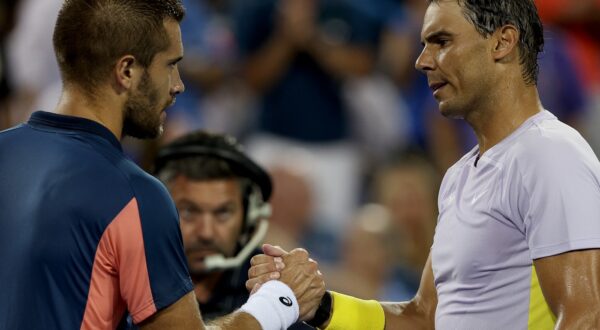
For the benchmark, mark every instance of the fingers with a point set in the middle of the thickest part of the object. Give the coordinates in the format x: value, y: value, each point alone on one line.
x: 311, y: 298
x: 303, y: 276
x: 273, y: 251
x: 263, y: 268
x: 276, y: 262
x: 296, y: 269
x: 252, y: 282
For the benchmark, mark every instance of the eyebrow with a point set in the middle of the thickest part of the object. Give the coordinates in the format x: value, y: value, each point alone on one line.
x: 432, y: 37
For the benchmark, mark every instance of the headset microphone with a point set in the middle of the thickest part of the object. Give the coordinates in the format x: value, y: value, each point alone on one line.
x: 258, y: 210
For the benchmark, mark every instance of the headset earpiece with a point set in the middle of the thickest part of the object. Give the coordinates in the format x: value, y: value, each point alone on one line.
x: 257, y: 208
x: 257, y: 187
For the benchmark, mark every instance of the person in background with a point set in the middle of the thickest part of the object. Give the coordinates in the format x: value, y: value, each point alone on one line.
x: 222, y: 198
x: 295, y: 55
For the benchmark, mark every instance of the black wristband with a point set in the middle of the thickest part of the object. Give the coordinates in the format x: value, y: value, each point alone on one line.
x: 323, y: 313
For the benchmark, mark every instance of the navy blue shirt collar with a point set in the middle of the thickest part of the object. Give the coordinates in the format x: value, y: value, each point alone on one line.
x: 53, y: 120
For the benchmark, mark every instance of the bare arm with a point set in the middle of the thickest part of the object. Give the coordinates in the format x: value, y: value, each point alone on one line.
x: 418, y: 313
x: 184, y: 315
x: 571, y: 286
x: 235, y: 321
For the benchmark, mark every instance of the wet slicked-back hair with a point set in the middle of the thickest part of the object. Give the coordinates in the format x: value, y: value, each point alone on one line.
x: 489, y: 15
x: 91, y: 35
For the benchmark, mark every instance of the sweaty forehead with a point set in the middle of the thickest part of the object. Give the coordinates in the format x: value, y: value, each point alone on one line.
x: 445, y: 16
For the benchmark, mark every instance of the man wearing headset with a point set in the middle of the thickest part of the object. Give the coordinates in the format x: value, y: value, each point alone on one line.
x: 222, y: 198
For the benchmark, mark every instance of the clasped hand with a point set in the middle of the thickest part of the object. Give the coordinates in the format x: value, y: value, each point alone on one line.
x: 295, y: 269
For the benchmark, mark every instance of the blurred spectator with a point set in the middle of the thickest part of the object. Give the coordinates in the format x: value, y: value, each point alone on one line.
x: 296, y: 54
x: 400, y: 48
x: 292, y: 207
x: 386, y: 247
x: 293, y: 222
x: 32, y: 65
x: 366, y: 268
x: 379, y: 117
x: 399, y: 51
x: 7, y: 22
x: 580, y: 21
x: 407, y: 186
x: 215, y: 97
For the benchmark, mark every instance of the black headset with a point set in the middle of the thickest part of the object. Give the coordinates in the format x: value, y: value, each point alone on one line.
x: 225, y: 147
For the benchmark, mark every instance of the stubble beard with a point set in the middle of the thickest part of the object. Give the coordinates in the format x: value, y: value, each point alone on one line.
x: 141, y: 118
x: 201, y: 272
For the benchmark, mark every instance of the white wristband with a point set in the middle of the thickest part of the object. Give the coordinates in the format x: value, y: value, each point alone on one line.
x: 274, y: 306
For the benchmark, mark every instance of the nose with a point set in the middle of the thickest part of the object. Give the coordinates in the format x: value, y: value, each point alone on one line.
x: 178, y: 86
x: 205, y: 228
x: 425, y: 61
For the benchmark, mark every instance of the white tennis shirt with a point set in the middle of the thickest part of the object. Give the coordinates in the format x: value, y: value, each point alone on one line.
x: 534, y: 194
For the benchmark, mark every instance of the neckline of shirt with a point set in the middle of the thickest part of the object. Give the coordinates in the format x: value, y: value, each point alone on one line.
x: 474, y: 153
x: 54, y: 120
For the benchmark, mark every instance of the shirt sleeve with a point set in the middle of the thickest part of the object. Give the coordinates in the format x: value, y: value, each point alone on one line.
x: 153, y: 271
x: 559, y: 196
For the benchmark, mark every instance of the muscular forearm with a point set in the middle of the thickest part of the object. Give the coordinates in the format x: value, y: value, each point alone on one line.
x: 406, y: 315
x: 582, y: 319
x: 235, y: 321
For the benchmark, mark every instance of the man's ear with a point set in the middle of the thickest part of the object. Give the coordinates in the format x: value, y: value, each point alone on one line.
x: 126, y: 72
x: 506, y: 41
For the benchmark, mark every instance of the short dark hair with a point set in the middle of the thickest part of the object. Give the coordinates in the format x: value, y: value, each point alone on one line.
x: 201, y: 167
x: 90, y: 35
x: 489, y: 15
x: 204, y: 167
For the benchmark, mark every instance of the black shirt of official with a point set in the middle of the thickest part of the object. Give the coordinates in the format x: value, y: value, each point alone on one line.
x: 229, y: 293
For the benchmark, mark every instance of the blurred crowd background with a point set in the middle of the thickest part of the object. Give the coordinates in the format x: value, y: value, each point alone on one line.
x: 324, y: 94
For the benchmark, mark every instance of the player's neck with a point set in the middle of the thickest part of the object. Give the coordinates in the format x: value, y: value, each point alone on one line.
x: 104, y: 110
x: 504, y: 116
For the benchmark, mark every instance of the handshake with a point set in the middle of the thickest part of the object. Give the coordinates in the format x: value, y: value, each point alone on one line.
x: 300, y: 273
x: 287, y: 286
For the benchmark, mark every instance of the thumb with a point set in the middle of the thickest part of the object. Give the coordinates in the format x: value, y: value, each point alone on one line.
x: 273, y: 251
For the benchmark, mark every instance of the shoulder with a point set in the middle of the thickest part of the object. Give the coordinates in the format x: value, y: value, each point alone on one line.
x: 550, y: 145
x: 153, y: 198
x: 550, y: 155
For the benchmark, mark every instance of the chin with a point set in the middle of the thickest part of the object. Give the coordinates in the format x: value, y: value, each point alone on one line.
x: 448, y: 111
x: 198, y: 270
